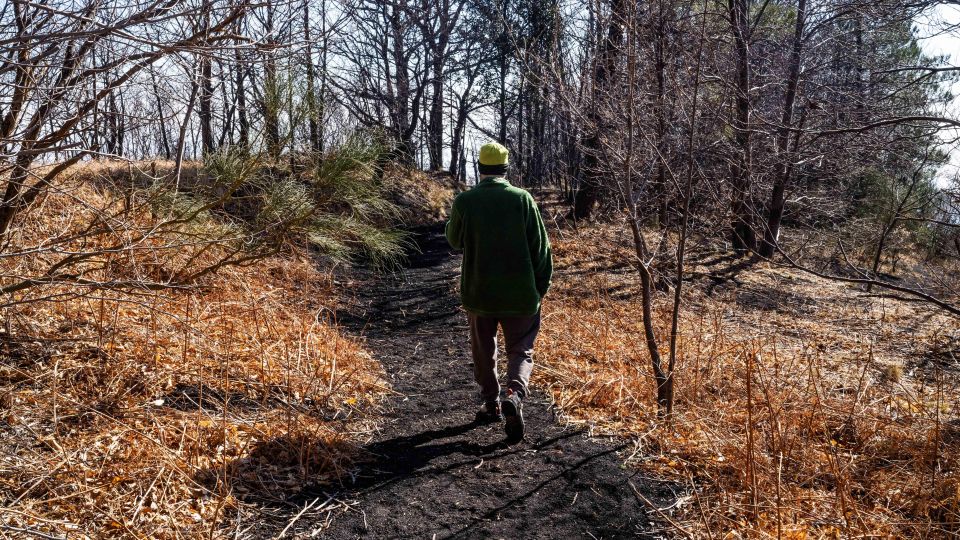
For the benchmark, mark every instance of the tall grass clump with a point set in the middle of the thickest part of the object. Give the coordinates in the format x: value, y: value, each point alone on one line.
x: 335, y: 204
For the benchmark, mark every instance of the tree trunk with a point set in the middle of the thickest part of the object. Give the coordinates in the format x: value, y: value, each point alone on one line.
x: 311, y: 97
x: 182, y: 138
x: 206, y: 107
x: 435, y: 125
x: 405, y: 124
x: 743, y: 236
x: 460, y: 126
x: 15, y: 184
x: 206, y: 93
x: 322, y: 98
x: 165, y: 141
x: 660, y: 65
x: 243, y: 121
x: 589, y: 192
x: 271, y: 92
x: 271, y: 106
x: 115, y: 123
x: 785, y: 158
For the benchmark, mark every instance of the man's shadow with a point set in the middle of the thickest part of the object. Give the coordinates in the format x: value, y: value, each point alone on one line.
x: 410, y: 456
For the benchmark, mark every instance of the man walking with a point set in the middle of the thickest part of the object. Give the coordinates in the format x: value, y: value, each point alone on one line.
x: 506, y: 271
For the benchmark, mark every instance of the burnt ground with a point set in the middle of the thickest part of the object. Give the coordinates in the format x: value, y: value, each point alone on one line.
x: 432, y: 472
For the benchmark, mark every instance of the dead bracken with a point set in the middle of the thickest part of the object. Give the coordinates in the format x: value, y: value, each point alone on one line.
x: 168, y: 413
x: 805, y: 416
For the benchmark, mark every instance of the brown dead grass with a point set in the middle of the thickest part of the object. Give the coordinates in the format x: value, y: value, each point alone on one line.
x: 168, y: 413
x: 424, y: 197
x: 804, y: 407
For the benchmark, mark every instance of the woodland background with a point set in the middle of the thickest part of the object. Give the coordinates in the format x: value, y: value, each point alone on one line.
x: 756, y: 226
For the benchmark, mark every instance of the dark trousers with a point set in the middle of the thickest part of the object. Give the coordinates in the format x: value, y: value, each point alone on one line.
x: 519, y: 333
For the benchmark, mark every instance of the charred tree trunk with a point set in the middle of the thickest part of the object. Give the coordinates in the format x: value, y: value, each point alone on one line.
x: 660, y: 67
x: 312, y: 109
x: 116, y: 125
x: 243, y: 121
x: 164, y: 139
x: 785, y: 159
x: 271, y: 102
x: 206, y: 106
x: 589, y: 192
x: 206, y: 93
x: 743, y: 237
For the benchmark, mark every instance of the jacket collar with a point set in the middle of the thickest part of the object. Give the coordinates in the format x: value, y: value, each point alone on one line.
x: 492, y: 180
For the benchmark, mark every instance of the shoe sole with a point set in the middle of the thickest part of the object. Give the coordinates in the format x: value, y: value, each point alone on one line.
x: 514, y: 421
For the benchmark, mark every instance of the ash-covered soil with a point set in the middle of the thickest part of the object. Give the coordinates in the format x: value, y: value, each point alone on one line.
x: 431, y: 472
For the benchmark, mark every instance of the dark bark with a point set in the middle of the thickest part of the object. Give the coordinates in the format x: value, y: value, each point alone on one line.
x: 115, y: 122
x: 457, y: 151
x: 206, y: 93
x: 322, y: 92
x: 270, y: 103
x: 503, y: 61
x: 206, y: 106
x: 164, y: 139
x: 440, y: 42
x: 405, y: 107
x: 243, y: 121
x: 660, y: 66
x: 785, y: 158
x: 663, y: 379
x: 182, y: 137
x: 588, y: 193
x: 743, y: 236
x: 312, y: 108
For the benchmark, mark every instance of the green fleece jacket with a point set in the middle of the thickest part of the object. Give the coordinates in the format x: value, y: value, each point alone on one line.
x: 507, y: 262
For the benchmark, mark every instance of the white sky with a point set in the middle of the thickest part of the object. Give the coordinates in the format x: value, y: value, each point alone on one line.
x: 936, y: 39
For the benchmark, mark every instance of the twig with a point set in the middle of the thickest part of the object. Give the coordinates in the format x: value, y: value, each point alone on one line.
x: 658, y: 511
x: 31, y: 531
x: 299, y: 515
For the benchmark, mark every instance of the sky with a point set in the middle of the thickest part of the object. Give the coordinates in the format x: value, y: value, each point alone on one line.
x: 934, y: 40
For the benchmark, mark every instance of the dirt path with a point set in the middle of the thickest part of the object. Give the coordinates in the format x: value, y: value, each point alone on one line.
x: 434, y: 473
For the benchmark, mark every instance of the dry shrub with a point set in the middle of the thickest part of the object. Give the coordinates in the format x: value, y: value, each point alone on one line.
x: 162, y: 413
x: 425, y: 197
x: 788, y: 423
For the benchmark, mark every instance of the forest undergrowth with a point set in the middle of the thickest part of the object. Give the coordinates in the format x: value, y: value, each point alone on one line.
x: 171, y: 412
x: 805, y: 408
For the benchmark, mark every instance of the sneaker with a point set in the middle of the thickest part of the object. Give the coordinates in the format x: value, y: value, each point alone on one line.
x: 513, y: 414
x: 489, y: 412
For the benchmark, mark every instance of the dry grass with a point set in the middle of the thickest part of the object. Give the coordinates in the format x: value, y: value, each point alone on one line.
x: 424, y: 196
x: 168, y: 413
x: 806, y: 409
